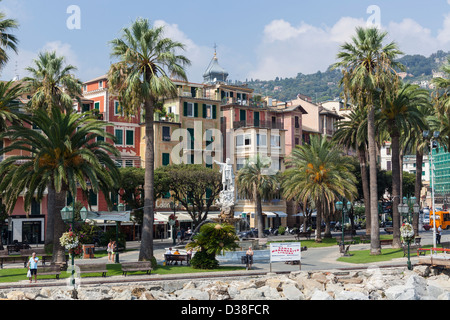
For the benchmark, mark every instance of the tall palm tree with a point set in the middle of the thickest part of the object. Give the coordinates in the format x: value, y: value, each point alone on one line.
x: 147, y: 60
x: 9, y: 103
x: 255, y: 181
x: 318, y: 172
x: 8, y: 41
x: 368, y: 66
x: 352, y: 134
x: 52, y: 83
x: 63, y: 153
x: 400, y: 114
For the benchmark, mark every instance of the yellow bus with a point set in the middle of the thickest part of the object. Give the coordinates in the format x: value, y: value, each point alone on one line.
x: 442, y: 219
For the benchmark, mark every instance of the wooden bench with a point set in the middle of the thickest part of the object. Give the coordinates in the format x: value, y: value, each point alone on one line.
x: 136, y: 266
x: 347, y: 239
x: 384, y: 242
x: 92, y: 268
x: 306, y: 234
x: 344, y: 250
x: 422, y: 251
x: 170, y: 258
x: 50, y: 270
x: 13, y: 258
x: 413, y: 248
x: 40, y: 252
x: 364, y: 238
x: 389, y: 230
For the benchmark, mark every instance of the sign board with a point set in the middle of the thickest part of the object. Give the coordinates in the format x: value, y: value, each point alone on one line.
x: 112, y: 216
x: 285, y: 251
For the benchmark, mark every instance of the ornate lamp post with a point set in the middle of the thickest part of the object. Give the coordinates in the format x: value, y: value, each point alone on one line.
x: 406, y: 230
x: 68, y: 215
x: 340, y: 207
x: 172, y: 223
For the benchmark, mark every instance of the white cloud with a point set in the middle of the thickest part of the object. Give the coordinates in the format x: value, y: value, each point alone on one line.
x: 197, y: 54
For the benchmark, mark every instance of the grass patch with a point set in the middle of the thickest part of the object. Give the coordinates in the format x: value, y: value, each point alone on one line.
x: 326, y: 242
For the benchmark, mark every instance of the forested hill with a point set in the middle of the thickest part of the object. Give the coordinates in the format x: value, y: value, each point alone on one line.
x: 323, y: 86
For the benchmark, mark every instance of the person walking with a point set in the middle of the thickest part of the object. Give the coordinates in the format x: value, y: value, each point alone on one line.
x: 32, y: 267
x: 249, y: 255
x: 438, y: 235
x: 113, y: 251
x: 109, y: 250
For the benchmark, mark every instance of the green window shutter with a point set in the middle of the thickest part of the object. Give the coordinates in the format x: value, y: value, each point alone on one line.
x: 165, y: 159
x: 196, y: 110
x: 191, y: 132
x: 204, y: 111
x: 129, y: 137
x: 185, y: 109
x: 214, y: 112
x: 119, y: 137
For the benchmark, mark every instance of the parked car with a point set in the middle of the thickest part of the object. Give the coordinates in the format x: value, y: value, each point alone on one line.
x: 248, y: 234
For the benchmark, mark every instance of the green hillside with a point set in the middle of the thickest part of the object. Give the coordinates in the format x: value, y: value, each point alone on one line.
x: 322, y: 86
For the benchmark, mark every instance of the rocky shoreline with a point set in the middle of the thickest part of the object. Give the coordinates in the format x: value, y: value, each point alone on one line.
x: 422, y: 283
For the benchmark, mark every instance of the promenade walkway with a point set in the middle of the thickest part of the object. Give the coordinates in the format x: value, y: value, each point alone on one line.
x: 313, y: 259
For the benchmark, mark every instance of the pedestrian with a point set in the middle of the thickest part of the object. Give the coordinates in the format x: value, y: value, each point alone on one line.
x: 438, y: 235
x: 109, y: 250
x: 179, y: 236
x: 32, y: 267
x: 113, y: 250
x: 249, y: 255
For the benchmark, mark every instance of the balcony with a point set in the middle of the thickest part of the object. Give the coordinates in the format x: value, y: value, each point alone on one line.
x: 258, y: 124
x: 173, y: 118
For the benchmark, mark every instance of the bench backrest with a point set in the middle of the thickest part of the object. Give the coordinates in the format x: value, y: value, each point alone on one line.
x: 137, y: 264
x: 96, y: 266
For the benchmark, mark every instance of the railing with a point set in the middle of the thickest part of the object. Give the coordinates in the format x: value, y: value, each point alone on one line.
x: 258, y: 124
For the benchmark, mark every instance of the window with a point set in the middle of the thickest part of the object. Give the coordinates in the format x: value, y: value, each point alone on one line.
x: 117, y: 109
x: 247, y: 140
x: 129, y: 163
x: 239, y: 140
x: 165, y: 133
x: 240, y: 162
x: 191, y: 136
x: 84, y: 87
x: 119, y: 163
x: 35, y: 207
x: 190, y: 109
x: 129, y: 137
x: 207, y: 111
x: 275, y: 141
x: 92, y: 198
x: 165, y: 159
x: 119, y: 136
x: 297, y: 123
x: 100, y: 84
x: 85, y: 107
x: 261, y: 140
x: 97, y: 105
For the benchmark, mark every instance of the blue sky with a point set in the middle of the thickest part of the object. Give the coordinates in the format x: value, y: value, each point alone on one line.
x: 257, y: 39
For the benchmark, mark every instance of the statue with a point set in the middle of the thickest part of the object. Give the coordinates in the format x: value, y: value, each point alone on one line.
x: 227, y: 175
x: 226, y: 196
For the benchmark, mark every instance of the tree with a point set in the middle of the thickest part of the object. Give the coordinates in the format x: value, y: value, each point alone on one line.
x: 51, y: 83
x: 8, y: 41
x: 63, y: 153
x: 256, y: 182
x: 9, y: 94
x: 400, y: 114
x: 367, y: 67
x: 213, y: 239
x: 141, y: 78
x: 318, y: 172
x: 352, y: 134
x: 195, y: 187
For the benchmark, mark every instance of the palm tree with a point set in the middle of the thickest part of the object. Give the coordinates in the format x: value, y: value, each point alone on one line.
x: 9, y: 104
x: 318, y: 172
x: 141, y: 78
x: 52, y: 83
x: 7, y: 40
x: 63, y: 153
x: 400, y: 114
x: 352, y: 134
x: 256, y: 182
x: 368, y: 66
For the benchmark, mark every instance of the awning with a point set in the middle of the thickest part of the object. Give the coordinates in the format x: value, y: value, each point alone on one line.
x: 269, y: 214
x: 300, y: 214
x: 281, y: 214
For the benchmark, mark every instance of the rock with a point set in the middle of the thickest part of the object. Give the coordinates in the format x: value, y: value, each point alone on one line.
x: 270, y: 293
x: 192, y: 294
x: 249, y: 294
x: 351, y: 295
x: 16, y: 295
x: 320, y: 295
x: 291, y: 292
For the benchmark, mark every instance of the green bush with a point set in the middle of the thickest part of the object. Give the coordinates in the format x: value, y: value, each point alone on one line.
x: 281, y: 230
x: 204, y: 260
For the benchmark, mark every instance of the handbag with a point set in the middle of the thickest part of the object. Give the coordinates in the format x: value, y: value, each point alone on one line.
x: 29, y: 274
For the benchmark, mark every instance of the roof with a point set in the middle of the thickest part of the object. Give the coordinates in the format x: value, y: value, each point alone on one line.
x: 215, y: 71
x: 103, y: 77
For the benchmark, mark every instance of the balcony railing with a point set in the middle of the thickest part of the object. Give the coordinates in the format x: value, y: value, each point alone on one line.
x: 258, y: 124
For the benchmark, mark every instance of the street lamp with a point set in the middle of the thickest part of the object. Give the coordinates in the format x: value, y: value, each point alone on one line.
x: 173, y: 223
x: 68, y: 215
x: 435, y: 136
x: 340, y: 207
x: 405, y: 212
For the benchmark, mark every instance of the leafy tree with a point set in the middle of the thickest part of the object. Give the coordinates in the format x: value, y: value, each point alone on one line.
x: 147, y: 60
x: 194, y: 186
x: 8, y: 41
x: 64, y: 154
x: 255, y: 181
x: 318, y: 172
x: 368, y: 66
x: 213, y: 239
x: 9, y: 94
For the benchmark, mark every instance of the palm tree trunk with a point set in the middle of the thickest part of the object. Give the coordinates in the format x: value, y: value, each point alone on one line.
x: 395, y: 190
x: 375, y: 246
x: 49, y: 228
x: 365, y: 187
x: 146, y: 249
x: 418, y: 187
x: 259, y: 214
x: 59, y: 251
x: 318, y: 221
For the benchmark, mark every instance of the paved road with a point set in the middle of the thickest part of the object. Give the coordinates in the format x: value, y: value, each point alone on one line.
x: 312, y: 259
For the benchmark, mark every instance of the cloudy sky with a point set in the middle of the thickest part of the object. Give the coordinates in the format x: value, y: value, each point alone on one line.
x: 259, y: 39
